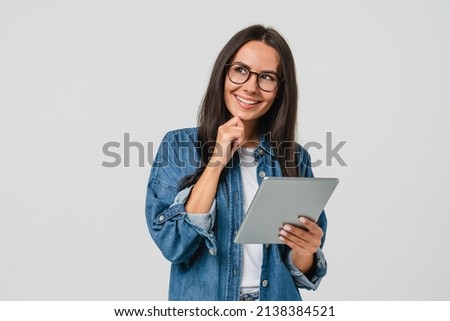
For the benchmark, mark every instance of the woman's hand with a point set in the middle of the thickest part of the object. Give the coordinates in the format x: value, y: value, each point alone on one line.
x: 229, y: 137
x: 304, y: 242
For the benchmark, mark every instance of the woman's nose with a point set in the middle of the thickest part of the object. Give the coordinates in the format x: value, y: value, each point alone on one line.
x: 251, y: 85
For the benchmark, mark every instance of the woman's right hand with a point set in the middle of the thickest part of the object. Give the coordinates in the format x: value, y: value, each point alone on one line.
x: 229, y: 137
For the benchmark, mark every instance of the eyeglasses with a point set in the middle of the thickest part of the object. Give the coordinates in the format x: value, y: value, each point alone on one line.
x: 267, y: 81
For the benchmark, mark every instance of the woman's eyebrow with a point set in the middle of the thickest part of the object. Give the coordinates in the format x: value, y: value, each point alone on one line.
x: 248, y: 67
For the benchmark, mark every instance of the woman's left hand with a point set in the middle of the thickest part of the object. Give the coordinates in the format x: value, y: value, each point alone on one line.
x: 304, y: 242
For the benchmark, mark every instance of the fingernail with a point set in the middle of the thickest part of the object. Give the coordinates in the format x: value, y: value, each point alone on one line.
x: 302, y: 219
x: 287, y: 227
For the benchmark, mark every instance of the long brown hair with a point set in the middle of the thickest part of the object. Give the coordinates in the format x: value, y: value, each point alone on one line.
x: 280, y: 121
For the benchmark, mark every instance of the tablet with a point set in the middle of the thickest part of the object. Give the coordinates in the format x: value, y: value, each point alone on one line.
x: 281, y: 200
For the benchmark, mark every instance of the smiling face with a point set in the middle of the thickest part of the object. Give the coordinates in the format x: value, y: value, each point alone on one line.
x: 247, y: 100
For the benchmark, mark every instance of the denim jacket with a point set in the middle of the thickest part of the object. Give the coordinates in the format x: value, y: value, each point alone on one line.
x: 206, y: 263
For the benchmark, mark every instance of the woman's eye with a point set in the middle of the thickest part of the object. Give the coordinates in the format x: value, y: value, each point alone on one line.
x: 267, y: 77
x: 241, y: 70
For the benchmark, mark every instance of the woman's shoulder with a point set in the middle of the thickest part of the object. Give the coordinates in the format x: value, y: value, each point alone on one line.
x: 186, y: 134
x: 183, y: 131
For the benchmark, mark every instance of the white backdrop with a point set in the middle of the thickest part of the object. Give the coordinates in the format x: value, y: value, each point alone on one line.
x: 75, y: 75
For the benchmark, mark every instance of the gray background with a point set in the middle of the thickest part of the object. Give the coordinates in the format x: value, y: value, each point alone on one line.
x: 75, y: 75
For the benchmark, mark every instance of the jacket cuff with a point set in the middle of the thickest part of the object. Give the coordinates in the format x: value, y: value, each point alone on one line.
x: 320, y: 270
x: 203, y: 223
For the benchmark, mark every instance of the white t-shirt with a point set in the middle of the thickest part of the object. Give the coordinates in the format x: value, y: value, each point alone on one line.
x: 252, y: 253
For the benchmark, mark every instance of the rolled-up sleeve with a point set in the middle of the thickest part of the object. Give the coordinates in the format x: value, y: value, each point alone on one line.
x: 204, y: 221
x: 300, y: 279
x: 172, y: 229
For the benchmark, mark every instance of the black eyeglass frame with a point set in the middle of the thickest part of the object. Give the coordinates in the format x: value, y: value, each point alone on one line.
x: 250, y: 73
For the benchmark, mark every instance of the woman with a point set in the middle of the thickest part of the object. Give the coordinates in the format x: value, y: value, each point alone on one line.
x: 203, y: 180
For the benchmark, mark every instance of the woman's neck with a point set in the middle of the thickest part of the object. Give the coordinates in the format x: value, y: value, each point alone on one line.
x: 251, y: 134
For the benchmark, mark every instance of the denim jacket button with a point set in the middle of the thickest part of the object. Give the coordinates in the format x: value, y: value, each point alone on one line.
x: 265, y: 283
x: 262, y: 174
x: 260, y: 151
x: 212, y: 251
x: 161, y: 218
x: 266, y: 246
